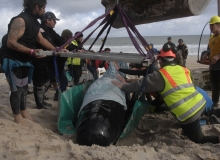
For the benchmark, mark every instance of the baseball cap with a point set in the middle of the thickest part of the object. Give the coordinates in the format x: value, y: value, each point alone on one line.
x: 50, y: 15
x: 169, y: 38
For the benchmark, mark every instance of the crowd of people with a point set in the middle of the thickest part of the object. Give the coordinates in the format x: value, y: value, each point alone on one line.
x: 22, y: 65
x: 181, y: 51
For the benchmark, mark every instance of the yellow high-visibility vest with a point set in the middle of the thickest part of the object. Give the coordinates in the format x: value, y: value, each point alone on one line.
x: 179, y: 93
x: 74, y: 61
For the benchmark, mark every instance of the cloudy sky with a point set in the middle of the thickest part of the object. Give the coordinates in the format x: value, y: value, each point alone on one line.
x: 76, y: 15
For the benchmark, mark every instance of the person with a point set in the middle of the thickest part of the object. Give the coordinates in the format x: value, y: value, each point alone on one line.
x: 94, y: 65
x: 151, y: 46
x: 182, y: 48
x: 48, y: 22
x: 66, y: 34
x: 18, y: 50
x: 4, y: 40
x: 214, y: 56
x: 100, y: 64
x: 175, y: 86
x: 41, y: 79
x: 75, y: 64
x: 169, y: 41
x: 178, y: 59
x: 141, y: 72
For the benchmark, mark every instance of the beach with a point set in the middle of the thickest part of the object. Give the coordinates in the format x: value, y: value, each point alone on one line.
x: 158, y: 137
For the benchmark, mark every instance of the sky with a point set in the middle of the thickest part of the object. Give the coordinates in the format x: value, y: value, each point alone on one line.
x: 77, y: 14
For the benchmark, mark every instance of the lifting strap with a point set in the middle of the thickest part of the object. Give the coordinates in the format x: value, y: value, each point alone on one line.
x: 56, y: 70
x: 128, y: 24
x: 74, y: 37
x: 108, y: 20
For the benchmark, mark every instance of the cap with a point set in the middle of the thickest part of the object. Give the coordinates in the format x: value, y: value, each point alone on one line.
x: 169, y: 38
x: 50, y: 15
x: 66, y: 33
x: 180, y: 40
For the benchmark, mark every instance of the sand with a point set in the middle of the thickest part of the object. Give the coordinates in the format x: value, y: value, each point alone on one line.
x: 158, y: 136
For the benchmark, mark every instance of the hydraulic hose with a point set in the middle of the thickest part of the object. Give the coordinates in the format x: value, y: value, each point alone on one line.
x: 201, y: 39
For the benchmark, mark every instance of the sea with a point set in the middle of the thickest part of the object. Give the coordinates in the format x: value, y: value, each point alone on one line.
x: 195, y: 43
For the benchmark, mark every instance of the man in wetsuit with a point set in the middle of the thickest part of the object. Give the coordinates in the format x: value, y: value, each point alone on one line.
x: 18, y: 50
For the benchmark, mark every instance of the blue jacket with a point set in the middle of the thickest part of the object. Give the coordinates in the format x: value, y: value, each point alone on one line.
x: 9, y: 64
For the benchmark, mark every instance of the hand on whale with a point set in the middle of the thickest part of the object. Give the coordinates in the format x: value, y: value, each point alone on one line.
x: 119, y: 83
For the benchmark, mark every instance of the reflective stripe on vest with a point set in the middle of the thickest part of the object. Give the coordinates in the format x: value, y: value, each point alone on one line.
x: 179, y: 92
x: 74, y: 42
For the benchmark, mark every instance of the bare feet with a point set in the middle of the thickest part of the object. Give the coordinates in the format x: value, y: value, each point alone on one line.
x: 20, y: 120
x: 26, y: 115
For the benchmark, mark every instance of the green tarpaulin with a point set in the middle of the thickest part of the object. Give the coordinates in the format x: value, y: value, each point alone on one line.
x: 69, y: 105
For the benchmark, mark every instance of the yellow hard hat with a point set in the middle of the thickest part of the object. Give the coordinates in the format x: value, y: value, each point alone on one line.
x: 214, y: 19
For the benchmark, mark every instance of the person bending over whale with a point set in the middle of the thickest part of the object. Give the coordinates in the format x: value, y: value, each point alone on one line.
x: 180, y: 95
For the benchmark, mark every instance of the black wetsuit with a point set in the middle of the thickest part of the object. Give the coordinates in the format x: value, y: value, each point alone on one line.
x: 28, y: 39
x: 41, y: 76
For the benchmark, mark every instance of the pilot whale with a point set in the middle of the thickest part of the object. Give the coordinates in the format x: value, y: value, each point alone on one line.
x: 102, y: 114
